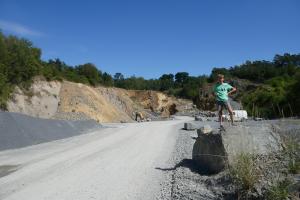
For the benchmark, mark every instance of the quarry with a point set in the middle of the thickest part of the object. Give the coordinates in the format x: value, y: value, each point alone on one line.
x: 65, y: 140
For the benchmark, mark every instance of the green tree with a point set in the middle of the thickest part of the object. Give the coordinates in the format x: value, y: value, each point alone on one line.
x: 166, y: 81
x: 118, y: 76
x: 91, y: 72
x: 181, y: 78
x: 107, y: 79
x: 216, y: 71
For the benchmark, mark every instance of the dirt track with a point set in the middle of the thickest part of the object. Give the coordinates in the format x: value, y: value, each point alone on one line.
x: 115, y: 163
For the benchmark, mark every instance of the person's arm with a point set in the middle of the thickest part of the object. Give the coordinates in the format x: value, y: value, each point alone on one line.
x: 233, y: 89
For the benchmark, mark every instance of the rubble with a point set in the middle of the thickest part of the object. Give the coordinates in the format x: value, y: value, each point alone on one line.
x: 198, y: 118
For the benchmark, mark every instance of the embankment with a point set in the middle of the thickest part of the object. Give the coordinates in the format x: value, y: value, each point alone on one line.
x: 18, y: 130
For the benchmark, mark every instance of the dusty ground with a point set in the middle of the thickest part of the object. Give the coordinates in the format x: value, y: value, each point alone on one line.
x: 150, y: 160
x: 120, y: 162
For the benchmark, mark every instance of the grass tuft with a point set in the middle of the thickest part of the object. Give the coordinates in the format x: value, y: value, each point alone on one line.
x: 291, y: 152
x: 245, y: 172
x: 279, y: 191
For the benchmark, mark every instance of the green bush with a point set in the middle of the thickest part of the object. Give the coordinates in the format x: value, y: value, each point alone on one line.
x: 270, y: 100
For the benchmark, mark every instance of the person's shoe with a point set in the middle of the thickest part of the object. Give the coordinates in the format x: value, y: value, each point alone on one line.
x: 222, y: 128
x: 233, y: 124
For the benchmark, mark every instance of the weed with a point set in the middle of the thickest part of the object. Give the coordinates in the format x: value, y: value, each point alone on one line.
x: 291, y: 153
x: 245, y: 172
x: 279, y: 190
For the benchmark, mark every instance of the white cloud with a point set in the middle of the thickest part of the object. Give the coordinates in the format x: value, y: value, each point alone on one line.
x: 18, y: 29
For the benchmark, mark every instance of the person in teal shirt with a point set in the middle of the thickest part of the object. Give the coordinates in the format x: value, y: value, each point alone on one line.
x: 221, y: 91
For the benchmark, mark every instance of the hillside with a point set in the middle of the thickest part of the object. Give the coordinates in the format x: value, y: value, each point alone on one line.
x: 266, y: 89
x: 77, y: 101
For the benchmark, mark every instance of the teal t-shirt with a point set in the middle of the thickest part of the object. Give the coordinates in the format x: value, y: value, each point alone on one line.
x: 221, y: 90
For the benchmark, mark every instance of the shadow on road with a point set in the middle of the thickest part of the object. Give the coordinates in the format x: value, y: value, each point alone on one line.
x: 7, y: 169
x: 187, y: 163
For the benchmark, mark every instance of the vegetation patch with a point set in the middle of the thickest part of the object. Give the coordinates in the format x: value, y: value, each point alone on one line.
x: 245, y: 173
x: 268, y: 176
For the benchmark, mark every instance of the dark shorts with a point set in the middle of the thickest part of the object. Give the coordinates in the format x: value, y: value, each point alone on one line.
x: 222, y: 104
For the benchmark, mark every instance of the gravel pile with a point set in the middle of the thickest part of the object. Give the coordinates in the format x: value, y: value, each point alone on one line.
x: 18, y: 130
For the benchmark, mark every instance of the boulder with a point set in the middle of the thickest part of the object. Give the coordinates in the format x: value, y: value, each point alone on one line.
x: 206, y: 129
x: 208, y: 152
x: 254, y: 138
x: 188, y: 126
x: 214, y: 149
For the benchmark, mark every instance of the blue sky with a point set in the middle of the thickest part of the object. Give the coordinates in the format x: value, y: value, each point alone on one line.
x: 151, y: 37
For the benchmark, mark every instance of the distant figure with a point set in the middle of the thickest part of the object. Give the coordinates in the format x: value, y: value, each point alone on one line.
x: 221, y: 91
x: 139, y: 115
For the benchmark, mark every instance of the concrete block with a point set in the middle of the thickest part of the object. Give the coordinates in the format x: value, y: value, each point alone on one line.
x: 188, y: 126
x: 214, y: 149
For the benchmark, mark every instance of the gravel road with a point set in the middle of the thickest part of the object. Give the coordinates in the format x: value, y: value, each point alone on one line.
x: 120, y: 162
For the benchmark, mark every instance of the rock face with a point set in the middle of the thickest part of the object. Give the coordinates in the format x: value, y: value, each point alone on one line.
x: 80, y: 98
x: 41, y: 100
x: 214, y: 149
x: 76, y: 101
x: 208, y: 151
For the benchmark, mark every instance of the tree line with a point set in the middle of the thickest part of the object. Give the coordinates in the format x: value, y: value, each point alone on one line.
x: 277, y: 92
x: 276, y: 95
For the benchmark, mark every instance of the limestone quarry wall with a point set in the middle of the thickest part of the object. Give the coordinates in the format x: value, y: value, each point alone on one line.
x: 76, y: 101
x: 41, y: 100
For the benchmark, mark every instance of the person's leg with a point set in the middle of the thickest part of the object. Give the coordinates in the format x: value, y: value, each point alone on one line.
x: 228, y: 106
x: 220, y: 111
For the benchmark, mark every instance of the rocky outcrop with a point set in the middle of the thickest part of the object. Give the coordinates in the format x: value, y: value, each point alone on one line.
x: 214, y: 149
x: 76, y: 101
x: 40, y: 100
x: 80, y: 98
